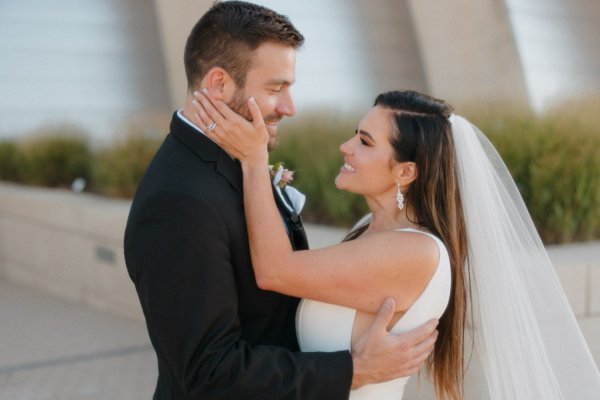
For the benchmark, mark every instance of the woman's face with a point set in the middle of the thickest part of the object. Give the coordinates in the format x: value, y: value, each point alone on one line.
x: 368, y: 156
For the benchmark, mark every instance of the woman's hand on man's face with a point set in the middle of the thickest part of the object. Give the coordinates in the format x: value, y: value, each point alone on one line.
x: 244, y: 140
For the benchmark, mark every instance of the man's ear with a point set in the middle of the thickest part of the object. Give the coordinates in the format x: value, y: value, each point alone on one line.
x: 405, y: 173
x: 219, y: 83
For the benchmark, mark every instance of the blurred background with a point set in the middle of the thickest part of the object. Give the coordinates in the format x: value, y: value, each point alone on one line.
x: 101, y: 63
x: 87, y: 90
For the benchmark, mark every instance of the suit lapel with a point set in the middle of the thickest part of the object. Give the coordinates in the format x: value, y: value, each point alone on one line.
x: 231, y: 170
x: 293, y: 222
x: 208, y: 151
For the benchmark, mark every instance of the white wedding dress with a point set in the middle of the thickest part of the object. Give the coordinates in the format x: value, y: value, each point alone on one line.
x: 327, y: 327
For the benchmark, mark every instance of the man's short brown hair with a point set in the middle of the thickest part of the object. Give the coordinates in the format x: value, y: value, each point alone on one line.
x: 227, y: 35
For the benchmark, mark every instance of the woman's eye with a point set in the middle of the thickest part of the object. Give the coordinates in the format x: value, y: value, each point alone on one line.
x: 362, y: 141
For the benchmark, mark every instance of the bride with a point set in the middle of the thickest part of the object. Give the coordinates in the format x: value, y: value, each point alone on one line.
x: 447, y: 237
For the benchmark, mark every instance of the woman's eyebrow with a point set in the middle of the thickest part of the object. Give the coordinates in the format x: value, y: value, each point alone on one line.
x: 363, y: 132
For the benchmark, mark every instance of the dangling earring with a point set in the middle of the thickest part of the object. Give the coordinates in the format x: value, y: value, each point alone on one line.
x: 399, y: 197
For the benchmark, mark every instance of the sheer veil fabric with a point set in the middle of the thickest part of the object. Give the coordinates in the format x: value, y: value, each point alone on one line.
x: 525, y: 334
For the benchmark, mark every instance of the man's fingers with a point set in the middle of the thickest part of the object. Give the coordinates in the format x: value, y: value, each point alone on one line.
x: 420, y: 360
x: 384, y: 315
x: 423, y: 348
x: 420, y: 354
x: 421, y: 333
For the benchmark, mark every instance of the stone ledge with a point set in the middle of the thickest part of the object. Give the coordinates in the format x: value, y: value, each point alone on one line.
x: 68, y: 244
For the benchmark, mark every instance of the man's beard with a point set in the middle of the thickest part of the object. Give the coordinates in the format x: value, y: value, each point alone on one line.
x: 239, y: 104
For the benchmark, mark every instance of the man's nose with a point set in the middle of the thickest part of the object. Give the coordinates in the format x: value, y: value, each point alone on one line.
x: 286, y: 105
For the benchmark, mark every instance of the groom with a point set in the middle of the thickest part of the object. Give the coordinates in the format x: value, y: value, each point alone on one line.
x: 215, y: 333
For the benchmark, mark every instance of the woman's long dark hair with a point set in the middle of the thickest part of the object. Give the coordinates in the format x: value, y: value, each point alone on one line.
x: 422, y: 134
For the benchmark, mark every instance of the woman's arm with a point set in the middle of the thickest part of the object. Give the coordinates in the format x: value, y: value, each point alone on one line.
x: 358, y: 274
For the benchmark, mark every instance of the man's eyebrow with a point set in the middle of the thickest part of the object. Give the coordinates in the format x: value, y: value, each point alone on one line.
x: 278, y: 82
x: 367, y: 134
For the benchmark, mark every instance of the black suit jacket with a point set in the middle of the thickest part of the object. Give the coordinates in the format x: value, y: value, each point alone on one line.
x: 215, y: 333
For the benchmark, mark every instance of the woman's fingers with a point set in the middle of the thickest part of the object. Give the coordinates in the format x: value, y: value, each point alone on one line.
x: 241, y: 138
x: 210, y: 109
x: 257, y: 118
x: 222, y: 108
x: 200, y: 117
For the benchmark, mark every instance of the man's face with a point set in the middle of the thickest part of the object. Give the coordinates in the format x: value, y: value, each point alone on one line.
x: 272, y: 73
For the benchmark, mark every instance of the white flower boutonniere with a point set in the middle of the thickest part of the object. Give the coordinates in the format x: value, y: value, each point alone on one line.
x: 280, y: 175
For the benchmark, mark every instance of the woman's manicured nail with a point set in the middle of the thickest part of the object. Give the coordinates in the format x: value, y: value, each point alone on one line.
x: 196, y: 93
x: 205, y: 90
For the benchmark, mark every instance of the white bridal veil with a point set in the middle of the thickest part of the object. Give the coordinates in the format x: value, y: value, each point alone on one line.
x: 526, y: 336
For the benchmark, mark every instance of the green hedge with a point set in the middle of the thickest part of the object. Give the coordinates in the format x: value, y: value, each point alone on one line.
x: 118, y: 170
x: 555, y: 160
x: 11, y: 162
x: 56, y: 157
x: 53, y: 159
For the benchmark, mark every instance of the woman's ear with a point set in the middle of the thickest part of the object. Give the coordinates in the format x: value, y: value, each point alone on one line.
x: 219, y: 84
x: 405, y: 172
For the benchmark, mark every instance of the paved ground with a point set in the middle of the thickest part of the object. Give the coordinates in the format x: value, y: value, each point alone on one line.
x: 51, y: 349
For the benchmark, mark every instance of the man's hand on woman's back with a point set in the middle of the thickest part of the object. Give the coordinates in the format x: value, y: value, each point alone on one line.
x: 379, y: 356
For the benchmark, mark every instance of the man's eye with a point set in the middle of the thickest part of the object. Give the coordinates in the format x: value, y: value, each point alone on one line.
x: 363, y: 141
x: 275, y: 90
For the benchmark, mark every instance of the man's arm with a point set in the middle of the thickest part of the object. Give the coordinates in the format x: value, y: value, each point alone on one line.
x: 178, y: 253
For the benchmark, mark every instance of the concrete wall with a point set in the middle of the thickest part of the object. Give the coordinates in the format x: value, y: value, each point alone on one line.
x: 559, y: 47
x: 468, y: 50
x: 71, y: 246
x: 391, y: 49
x: 90, y: 63
x: 175, y: 21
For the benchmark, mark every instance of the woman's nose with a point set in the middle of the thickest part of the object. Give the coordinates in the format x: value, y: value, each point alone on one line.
x: 346, y: 147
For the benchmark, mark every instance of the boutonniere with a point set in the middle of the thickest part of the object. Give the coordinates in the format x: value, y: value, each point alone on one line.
x: 280, y: 175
